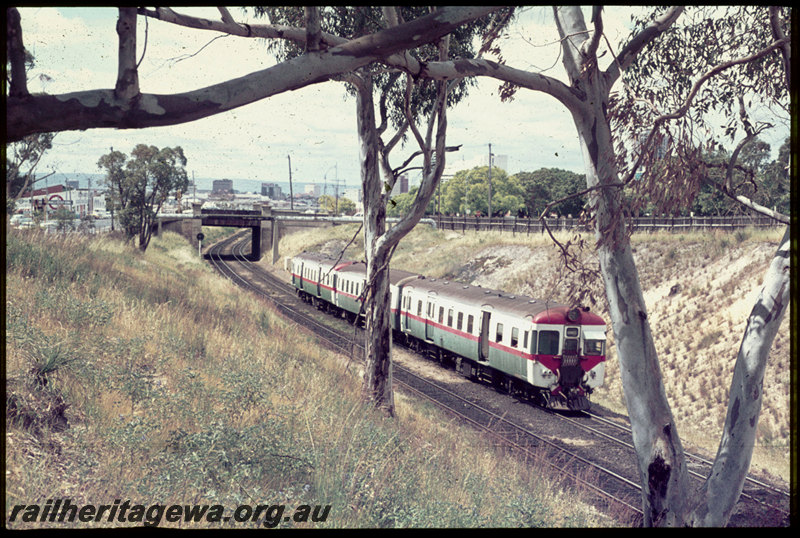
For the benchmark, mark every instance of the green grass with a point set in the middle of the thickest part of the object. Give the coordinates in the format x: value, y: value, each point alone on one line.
x: 147, y: 377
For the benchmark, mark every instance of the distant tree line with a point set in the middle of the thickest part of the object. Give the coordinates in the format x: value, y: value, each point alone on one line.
x: 527, y: 194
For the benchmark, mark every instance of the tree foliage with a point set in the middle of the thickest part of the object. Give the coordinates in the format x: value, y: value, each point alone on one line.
x: 22, y: 159
x: 467, y: 193
x: 548, y: 185
x: 138, y: 186
x: 764, y: 181
x: 355, y: 22
x: 401, y: 204
x: 336, y: 206
x: 720, y: 65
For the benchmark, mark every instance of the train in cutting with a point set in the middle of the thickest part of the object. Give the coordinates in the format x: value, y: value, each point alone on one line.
x: 552, y: 354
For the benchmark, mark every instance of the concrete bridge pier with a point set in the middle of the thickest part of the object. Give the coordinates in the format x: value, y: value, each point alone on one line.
x: 196, y: 224
x: 275, y: 240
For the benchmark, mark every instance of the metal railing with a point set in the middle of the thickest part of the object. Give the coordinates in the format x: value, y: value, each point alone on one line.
x: 639, y: 224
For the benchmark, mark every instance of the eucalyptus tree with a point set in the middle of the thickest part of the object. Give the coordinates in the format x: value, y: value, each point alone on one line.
x: 597, y: 111
x: 22, y: 159
x: 404, y: 105
x: 23, y: 155
x: 139, y: 186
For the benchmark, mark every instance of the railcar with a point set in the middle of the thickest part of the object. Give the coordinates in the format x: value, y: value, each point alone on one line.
x: 551, y: 353
x: 338, y: 286
x: 314, y: 277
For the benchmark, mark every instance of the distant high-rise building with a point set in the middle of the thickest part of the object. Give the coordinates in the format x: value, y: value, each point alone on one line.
x: 401, y: 185
x: 313, y: 189
x: 222, y: 186
x: 498, y: 161
x: 272, y: 190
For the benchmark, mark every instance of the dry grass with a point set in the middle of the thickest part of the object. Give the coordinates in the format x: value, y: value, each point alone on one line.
x: 699, y: 289
x: 148, y: 377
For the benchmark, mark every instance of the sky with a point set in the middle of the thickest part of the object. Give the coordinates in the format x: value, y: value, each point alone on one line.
x: 314, y: 127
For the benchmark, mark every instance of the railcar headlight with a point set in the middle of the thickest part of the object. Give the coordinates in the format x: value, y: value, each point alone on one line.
x: 574, y: 315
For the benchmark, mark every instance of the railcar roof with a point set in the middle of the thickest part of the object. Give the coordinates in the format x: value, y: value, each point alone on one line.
x: 317, y: 257
x: 395, y: 275
x: 508, y: 303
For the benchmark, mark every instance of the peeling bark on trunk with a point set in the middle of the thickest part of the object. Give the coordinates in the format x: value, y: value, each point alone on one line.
x: 378, y: 373
x: 660, y: 455
x: 720, y: 492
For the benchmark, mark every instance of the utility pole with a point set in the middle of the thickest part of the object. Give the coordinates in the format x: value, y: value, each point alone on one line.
x: 336, y: 206
x: 291, y: 190
x: 490, y: 185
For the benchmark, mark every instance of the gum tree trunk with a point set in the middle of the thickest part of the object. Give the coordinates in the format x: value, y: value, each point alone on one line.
x: 661, y: 460
x: 720, y: 492
x: 378, y: 373
x: 662, y: 466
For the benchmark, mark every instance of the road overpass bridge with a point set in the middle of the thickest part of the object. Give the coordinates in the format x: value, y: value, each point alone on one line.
x: 267, y: 225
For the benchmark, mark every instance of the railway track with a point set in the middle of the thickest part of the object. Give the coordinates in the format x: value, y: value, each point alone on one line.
x: 612, y: 479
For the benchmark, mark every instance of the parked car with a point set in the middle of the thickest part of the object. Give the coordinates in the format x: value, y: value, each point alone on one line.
x: 22, y: 221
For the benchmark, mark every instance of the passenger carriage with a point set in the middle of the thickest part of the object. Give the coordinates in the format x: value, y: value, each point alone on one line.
x: 542, y: 350
x: 314, y: 277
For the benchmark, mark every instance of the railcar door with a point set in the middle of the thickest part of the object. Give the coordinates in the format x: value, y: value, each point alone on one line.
x: 431, y: 309
x: 406, y: 302
x: 302, y: 275
x: 571, y: 371
x: 483, y: 345
x: 319, y: 281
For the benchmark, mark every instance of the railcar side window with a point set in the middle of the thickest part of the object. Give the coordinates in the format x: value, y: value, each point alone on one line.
x: 460, y: 320
x: 525, y: 340
x: 548, y: 342
x: 534, y: 335
x: 470, y: 320
x: 450, y: 317
x: 593, y: 347
x: 419, y: 309
x: 514, y: 336
x: 499, y: 333
x: 441, y: 314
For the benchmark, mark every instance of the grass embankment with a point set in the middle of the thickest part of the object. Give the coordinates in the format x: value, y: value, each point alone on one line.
x: 699, y: 289
x: 149, y: 378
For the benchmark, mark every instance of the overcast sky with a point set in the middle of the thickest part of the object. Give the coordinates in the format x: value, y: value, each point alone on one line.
x: 76, y: 48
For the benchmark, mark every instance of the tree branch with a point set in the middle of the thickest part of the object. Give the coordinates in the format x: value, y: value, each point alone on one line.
x: 786, y: 49
x: 747, y: 202
x: 632, y: 49
x: 100, y: 108
x: 127, y: 87
x: 590, y: 47
x: 684, y: 108
x: 18, y: 86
